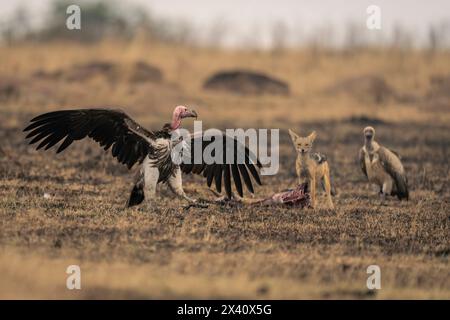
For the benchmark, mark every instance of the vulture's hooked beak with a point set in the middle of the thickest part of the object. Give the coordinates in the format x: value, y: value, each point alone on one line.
x: 369, y: 132
x: 189, y: 114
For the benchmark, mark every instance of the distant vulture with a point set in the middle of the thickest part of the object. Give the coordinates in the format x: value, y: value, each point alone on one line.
x: 131, y: 144
x: 383, y: 167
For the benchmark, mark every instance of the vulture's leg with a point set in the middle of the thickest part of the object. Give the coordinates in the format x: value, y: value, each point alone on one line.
x: 176, y: 185
x: 151, y: 176
x: 218, y: 196
x: 386, y: 189
x: 223, y: 198
x: 137, y: 193
x: 383, y: 198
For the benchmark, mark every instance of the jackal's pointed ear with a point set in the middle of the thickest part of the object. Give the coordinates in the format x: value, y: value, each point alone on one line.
x: 312, y: 136
x: 293, y: 135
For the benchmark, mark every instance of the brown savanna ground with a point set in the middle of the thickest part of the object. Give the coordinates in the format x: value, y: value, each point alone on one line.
x: 165, y: 252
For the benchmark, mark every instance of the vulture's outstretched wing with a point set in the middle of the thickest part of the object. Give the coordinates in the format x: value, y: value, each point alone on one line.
x: 362, y: 161
x: 230, y: 148
x: 130, y: 142
x: 393, y: 166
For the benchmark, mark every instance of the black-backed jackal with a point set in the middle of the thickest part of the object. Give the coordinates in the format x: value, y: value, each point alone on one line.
x: 311, y: 167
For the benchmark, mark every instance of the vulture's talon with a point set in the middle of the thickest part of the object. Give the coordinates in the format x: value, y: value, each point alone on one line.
x: 221, y: 199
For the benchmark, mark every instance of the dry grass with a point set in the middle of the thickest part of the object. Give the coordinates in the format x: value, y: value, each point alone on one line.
x: 165, y: 252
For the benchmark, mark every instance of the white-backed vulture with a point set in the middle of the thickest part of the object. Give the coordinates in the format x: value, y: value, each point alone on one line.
x: 383, y: 167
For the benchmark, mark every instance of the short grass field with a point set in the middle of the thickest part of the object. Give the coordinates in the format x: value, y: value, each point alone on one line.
x: 162, y: 251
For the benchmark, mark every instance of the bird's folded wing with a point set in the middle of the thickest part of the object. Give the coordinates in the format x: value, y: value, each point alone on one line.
x: 110, y: 128
x: 393, y: 166
x: 241, y: 164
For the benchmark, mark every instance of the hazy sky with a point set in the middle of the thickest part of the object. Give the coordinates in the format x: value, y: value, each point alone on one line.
x: 247, y: 19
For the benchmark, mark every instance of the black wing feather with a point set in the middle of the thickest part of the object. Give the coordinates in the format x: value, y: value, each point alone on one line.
x: 213, y: 171
x: 246, y: 177
x: 237, y: 179
x: 218, y: 178
x: 254, y: 173
x: 227, y: 180
x: 129, y: 141
x: 67, y: 142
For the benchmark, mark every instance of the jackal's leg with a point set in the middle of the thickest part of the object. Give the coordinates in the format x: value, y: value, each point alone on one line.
x: 327, y: 182
x: 312, y: 183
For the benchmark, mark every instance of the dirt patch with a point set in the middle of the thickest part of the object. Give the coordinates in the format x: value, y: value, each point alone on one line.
x: 246, y: 83
x: 48, y: 75
x: 439, y: 87
x: 9, y: 89
x: 365, y: 121
x: 136, y: 73
x: 92, y: 69
x: 365, y: 88
x: 143, y: 72
x: 438, y: 95
x: 80, y: 72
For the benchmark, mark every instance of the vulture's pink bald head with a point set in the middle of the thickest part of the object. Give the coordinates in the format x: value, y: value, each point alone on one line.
x: 179, y: 113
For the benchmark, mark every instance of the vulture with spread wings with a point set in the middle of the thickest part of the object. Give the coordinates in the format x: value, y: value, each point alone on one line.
x: 130, y: 143
x: 383, y: 167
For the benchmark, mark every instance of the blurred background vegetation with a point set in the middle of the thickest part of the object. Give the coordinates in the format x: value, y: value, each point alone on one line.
x: 100, y: 19
x: 105, y: 19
